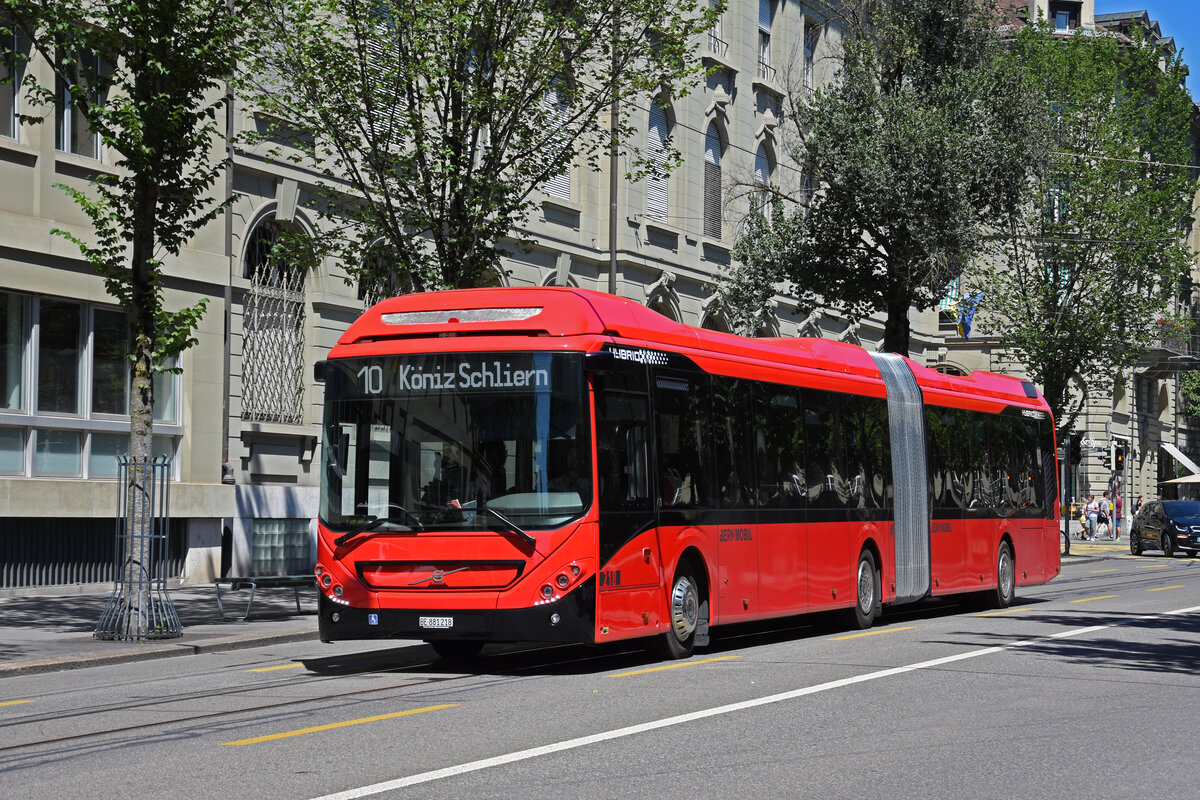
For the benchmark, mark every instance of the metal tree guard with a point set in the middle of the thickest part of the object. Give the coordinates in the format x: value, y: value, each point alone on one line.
x: 140, y: 607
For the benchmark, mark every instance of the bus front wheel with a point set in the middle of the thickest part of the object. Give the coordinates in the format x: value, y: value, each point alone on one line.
x: 684, y: 601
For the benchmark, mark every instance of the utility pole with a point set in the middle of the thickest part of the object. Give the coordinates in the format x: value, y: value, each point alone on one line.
x: 613, y: 121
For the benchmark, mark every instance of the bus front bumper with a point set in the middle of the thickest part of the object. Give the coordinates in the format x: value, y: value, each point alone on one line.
x: 570, y: 619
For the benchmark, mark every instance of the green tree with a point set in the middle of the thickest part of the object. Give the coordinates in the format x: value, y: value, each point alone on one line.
x: 146, y: 75
x: 433, y: 123
x: 1087, y: 271
x: 914, y: 149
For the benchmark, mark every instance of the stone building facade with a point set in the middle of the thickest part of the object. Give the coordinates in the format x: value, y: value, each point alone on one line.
x: 241, y: 422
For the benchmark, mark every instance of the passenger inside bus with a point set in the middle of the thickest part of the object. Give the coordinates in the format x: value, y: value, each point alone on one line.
x: 490, y: 478
x: 571, y: 479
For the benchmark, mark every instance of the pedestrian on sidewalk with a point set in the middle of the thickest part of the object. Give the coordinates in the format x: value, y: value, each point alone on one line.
x: 1092, y: 512
x: 1117, y: 529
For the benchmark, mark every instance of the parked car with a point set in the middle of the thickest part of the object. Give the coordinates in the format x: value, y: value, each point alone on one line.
x: 1167, y: 525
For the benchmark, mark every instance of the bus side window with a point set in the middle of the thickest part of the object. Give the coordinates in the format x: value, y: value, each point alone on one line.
x: 681, y: 416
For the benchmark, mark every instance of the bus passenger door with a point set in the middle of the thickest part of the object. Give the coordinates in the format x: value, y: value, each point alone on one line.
x: 950, y: 493
x: 630, y: 581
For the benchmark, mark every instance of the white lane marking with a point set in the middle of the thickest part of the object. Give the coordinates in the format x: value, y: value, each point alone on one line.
x: 596, y: 738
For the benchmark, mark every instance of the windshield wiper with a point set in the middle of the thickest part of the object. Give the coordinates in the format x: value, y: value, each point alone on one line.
x: 512, y: 526
x: 409, y: 519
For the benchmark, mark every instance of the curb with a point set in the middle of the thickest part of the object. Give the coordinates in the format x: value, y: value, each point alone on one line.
x: 101, y: 658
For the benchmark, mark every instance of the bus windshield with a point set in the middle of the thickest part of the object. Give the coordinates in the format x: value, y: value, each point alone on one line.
x: 428, y: 442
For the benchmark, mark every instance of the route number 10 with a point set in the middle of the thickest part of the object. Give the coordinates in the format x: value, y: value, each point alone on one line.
x: 371, y: 379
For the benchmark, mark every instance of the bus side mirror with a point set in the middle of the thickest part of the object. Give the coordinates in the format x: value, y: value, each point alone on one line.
x: 599, y: 363
x: 319, y: 372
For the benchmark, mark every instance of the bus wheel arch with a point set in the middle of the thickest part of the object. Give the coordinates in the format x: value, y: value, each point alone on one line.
x: 687, y: 608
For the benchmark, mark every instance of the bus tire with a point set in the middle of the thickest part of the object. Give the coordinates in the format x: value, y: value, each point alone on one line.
x: 455, y: 649
x: 683, y: 614
x: 866, y: 603
x: 1006, y: 577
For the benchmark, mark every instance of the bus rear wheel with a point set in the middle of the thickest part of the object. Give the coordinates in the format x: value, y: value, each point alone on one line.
x: 684, y: 613
x: 867, y: 579
x: 1006, y: 577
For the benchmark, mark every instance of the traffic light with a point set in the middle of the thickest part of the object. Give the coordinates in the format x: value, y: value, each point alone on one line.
x: 1118, y: 458
x: 1074, y: 448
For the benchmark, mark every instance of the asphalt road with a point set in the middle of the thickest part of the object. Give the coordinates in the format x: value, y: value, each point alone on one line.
x: 1087, y: 688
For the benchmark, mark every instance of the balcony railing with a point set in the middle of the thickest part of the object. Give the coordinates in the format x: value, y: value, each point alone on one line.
x: 717, y: 46
x: 766, y: 72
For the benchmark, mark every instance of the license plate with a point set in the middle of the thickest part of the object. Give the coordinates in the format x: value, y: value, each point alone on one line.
x: 436, y: 622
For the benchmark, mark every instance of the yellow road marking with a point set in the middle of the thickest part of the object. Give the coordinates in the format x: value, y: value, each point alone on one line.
x: 1098, y: 571
x: 13, y: 702
x: 1151, y: 566
x: 333, y: 725
x: 671, y: 666
x: 998, y: 613
x: 871, y: 633
x: 1090, y: 599
x: 272, y: 669
x: 1164, y: 588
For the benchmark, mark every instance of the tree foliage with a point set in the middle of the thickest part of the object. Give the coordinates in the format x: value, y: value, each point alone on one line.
x: 434, y: 122
x: 1087, y: 271
x: 915, y: 148
x: 146, y: 76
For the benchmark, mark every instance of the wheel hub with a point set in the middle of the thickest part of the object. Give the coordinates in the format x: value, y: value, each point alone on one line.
x: 866, y: 587
x: 685, y: 609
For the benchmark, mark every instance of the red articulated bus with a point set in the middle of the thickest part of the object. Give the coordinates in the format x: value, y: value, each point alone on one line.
x: 553, y: 464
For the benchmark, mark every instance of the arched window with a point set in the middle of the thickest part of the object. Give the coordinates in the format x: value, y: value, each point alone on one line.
x: 662, y: 306
x: 272, y: 327
x: 657, y: 198
x: 763, y: 169
x: 713, y: 149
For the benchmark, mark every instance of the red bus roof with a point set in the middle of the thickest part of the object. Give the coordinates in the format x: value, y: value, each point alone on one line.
x: 559, y: 311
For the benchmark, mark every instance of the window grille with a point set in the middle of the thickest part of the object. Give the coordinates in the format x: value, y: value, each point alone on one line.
x: 272, y: 335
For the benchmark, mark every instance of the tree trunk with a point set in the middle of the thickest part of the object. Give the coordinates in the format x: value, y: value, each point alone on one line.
x: 896, y: 330
x: 138, y: 559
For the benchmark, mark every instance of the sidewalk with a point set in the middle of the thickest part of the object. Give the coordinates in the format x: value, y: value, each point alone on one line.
x: 42, y: 632
x: 1082, y: 550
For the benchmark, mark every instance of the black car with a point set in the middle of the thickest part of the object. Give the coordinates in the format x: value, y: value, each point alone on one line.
x: 1167, y: 525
